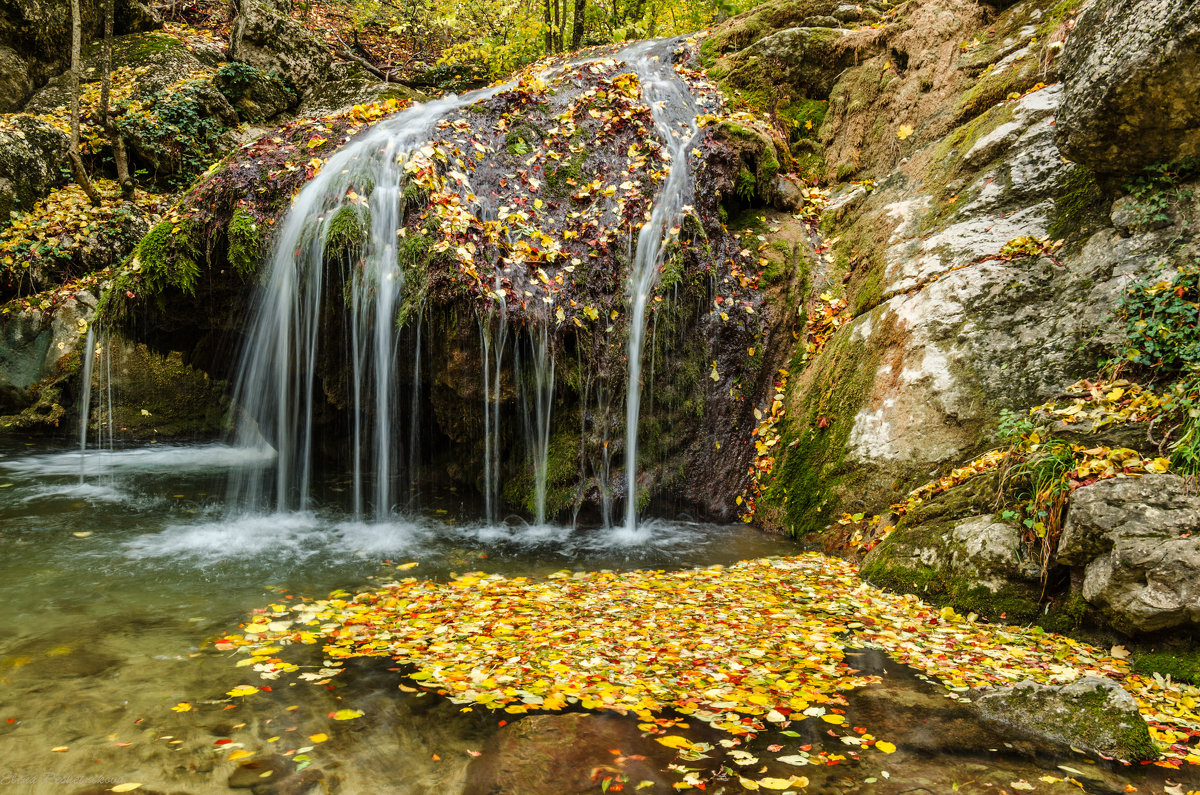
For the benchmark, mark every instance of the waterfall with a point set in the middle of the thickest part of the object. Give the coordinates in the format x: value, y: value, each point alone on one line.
x: 542, y: 400
x: 85, y: 405
x: 343, y: 242
x: 674, y: 112
x: 355, y: 202
x: 493, y: 333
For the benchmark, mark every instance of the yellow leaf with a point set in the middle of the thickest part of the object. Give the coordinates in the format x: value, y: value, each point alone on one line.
x: 886, y: 747
x: 674, y: 741
x: 243, y: 690
x: 240, y: 753
x: 904, y: 131
x: 347, y: 714
x: 774, y: 783
x: 182, y: 706
x: 834, y: 719
x: 318, y: 738
x: 129, y: 786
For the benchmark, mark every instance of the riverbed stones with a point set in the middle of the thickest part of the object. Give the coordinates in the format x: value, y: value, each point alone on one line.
x: 1138, y: 542
x: 1092, y: 713
x: 1132, y: 97
x: 562, y: 754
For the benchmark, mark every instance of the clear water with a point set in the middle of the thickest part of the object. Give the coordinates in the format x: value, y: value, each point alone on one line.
x: 102, y: 635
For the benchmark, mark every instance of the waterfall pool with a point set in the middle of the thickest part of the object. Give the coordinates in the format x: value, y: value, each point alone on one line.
x: 121, y: 568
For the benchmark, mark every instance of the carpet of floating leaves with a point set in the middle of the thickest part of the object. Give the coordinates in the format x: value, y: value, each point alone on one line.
x: 756, y: 645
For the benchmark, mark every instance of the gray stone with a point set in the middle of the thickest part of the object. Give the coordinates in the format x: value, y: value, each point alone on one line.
x: 1139, y: 541
x: 1132, y: 97
x: 350, y: 84
x: 274, y: 42
x: 34, y: 344
x: 787, y: 192
x: 16, y: 80
x: 1129, y: 215
x: 847, y: 13
x: 1093, y: 713
x: 33, y: 158
x: 820, y: 22
x: 808, y: 59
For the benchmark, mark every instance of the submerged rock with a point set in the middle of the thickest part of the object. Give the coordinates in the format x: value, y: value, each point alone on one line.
x: 1138, y: 540
x: 560, y: 754
x: 1132, y: 97
x: 1092, y: 713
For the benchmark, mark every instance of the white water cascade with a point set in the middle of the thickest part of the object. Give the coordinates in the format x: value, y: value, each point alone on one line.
x: 674, y: 112
x: 277, y: 374
x: 296, y: 323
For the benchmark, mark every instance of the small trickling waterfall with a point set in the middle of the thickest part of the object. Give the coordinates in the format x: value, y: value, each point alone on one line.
x: 347, y: 228
x: 674, y: 112
x: 358, y: 201
x: 85, y: 405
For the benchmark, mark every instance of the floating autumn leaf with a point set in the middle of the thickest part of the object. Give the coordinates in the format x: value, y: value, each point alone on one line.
x: 320, y: 737
x: 129, y: 786
x: 346, y: 714
x: 182, y: 706
x: 885, y: 746
x: 240, y: 753
x: 242, y: 690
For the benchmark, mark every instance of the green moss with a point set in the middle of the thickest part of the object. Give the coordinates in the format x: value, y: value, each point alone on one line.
x: 1181, y: 664
x: 745, y: 185
x: 1065, y: 616
x: 561, y: 181
x: 165, y: 259
x: 246, y: 245
x: 813, y: 471
x: 1078, y: 206
x: 346, y: 231
x: 1009, y: 604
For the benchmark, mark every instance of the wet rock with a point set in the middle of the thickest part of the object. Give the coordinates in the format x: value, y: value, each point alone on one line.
x: 1092, y: 713
x: 260, y: 772
x: 36, y: 346
x: 274, y: 42
x: 255, y: 94
x: 1131, y: 94
x: 788, y: 192
x: 820, y: 22
x: 559, y: 755
x: 1138, y: 540
x: 350, y: 84
x: 33, y: 155
x: 848, y: 13
x: 748, y: 27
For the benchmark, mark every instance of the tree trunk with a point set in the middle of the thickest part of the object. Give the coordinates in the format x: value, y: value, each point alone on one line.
x: 115, y: 140
x: 577, y: 26
x: 549, y: 28
x: 80, y: 172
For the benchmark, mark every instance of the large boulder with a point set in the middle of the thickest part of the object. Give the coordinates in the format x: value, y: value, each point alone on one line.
x: 1132, y: 97
x: 33, y: 157
x: 1138, y: 540
x: 274, y: 42
x: 35, y: 39
x: 1092, y: 713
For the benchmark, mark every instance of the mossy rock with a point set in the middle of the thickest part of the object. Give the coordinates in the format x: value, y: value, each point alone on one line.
x: 1093, y: 713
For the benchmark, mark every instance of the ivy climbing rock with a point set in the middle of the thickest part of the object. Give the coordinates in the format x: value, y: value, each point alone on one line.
x: 1138, y: 543
x: 1132, y: 97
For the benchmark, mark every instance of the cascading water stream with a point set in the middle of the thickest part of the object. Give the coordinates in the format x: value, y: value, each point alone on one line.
x: 85, y: 410
x: 362, y: 187
x: 280, y: 361
x: 674, y: 111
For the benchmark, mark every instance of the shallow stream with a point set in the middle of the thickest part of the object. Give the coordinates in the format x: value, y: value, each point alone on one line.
x: 120, y: 568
